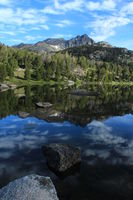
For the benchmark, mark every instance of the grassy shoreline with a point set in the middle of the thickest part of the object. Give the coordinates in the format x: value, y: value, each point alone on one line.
x: 110, y: 83
x: 22, y: 82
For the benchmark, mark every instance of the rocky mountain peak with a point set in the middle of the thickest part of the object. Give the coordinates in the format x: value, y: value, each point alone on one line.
x: 55, y: 41
x: 56, y: 44
x: 79, y: 41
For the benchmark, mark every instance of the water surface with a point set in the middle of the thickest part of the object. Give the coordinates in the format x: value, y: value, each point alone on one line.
x: 102, y: 126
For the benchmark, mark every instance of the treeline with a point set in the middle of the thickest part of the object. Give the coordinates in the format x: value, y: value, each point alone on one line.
x: 12, y: 59
x: 108, y: 72
x: 60, y: 66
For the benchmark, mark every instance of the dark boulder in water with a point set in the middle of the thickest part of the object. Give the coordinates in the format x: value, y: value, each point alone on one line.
x: 61, y: 157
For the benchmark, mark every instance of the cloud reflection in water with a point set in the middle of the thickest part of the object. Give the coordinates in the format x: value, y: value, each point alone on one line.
x: 21, y: 140
x: 107, y: 146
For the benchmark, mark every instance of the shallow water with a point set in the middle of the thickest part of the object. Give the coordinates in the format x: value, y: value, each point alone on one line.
x: 102, y: 126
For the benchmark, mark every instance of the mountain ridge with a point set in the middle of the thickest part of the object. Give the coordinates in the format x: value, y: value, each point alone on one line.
x: 82, y: 46
x: 57, y: 44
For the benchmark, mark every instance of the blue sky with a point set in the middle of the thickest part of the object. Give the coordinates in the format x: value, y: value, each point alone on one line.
x: 30, y: 21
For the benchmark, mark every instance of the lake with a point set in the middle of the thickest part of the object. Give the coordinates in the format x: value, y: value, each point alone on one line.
x: 101, y: 125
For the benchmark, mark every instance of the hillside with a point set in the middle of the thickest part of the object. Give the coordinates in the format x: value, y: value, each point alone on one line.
x: 102, y: 53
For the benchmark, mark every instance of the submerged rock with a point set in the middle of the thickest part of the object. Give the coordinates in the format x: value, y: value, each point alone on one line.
x: 3, y: 87
x: 23, y: 114
x: 43, y: 104
x: 32, y: 187
x: 13, y: 87
x: 70, y: 83
x: 61, y: 157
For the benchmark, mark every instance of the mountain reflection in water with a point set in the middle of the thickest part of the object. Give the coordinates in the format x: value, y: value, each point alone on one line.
x: 101, y: 125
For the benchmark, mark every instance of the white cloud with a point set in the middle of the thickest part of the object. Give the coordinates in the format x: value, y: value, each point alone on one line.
x: 32, y: 38
x: 76, y: 5
x: 50, y: 10
x: 20, y: 21
x: 45, y: 27
x: 21, y: 17
x: 16, y: 41
x: 64, y: 23
x: 36, y: 28
x: 28, y: 37
x: 109, y: 4
x: 104, y: 24
x: 5, y: 2
x: 104, y: 27
x: 111, y: 14
x: 128, y: 8
x: 8, y: 33
x: 93, y: 5
x: 105, y: 5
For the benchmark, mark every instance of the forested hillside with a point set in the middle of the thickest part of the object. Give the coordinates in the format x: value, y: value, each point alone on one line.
x: 72, y: 64
x: 121, y: 56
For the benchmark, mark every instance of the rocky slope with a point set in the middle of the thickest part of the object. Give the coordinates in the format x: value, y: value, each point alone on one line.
x: 103, y: 53
x: 53, y: 44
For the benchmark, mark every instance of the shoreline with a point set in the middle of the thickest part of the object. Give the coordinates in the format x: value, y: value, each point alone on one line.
x: 20, y: 82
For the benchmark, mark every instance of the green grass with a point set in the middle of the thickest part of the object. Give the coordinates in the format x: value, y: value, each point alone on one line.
x: 111, y: 83
x: 122, y: 83
x: 20, y: 81
x: 23, y: 82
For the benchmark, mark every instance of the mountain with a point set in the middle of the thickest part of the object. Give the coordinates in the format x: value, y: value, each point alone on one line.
x: 79, y: 41
x: 53, y: 44
x: 22, y: 45
x: 61, y: 42
x: 82, y: 46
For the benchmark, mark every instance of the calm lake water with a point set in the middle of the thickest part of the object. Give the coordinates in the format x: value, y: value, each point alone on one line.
x: 102, y: 126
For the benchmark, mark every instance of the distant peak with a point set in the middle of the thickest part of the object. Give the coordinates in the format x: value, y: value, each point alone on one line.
x: 54, y: 39
x: 85, y: 35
